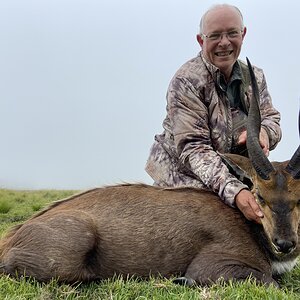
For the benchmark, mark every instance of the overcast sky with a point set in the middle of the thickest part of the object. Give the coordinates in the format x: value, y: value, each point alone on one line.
x: 83, y: 82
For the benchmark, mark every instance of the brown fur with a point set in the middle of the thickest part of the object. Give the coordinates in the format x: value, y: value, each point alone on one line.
x: 141, y: 230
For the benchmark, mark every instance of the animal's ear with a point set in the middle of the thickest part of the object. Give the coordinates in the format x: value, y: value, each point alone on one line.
x: 239, y: 165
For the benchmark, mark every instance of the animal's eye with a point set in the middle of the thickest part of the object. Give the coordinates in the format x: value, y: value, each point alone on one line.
x: 298, y: 203
x: 260, y: 199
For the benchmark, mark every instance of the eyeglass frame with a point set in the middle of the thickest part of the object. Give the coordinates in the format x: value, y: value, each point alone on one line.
x: 208, y: 36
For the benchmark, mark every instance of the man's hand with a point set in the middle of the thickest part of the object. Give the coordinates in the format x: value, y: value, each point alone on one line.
x: 246, y: 203
x: 263, y: 140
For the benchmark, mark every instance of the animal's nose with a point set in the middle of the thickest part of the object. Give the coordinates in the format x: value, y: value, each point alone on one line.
x: 284, y: 246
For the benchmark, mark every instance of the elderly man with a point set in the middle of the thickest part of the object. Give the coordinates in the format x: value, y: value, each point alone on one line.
x: 207, y: 106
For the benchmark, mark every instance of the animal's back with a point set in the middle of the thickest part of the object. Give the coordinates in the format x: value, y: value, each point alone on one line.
x: 126, y: 229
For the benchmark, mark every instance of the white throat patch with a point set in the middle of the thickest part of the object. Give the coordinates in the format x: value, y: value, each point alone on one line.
x: 282, y: 267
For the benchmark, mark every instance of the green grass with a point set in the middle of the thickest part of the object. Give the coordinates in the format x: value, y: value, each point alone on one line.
x: 16, y: 206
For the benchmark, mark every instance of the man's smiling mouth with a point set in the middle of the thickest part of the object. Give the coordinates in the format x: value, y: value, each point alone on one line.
x: 224, y: 53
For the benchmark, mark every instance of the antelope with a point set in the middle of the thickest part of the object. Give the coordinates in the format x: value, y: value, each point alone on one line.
x: 183, y: 233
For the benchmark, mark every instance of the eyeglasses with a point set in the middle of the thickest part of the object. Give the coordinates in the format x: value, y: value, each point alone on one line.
x: 217, y: 36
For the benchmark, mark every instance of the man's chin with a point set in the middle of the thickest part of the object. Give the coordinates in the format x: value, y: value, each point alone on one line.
x: 224, y: 65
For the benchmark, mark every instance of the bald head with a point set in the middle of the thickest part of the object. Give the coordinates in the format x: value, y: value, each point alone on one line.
x: 220, y: 7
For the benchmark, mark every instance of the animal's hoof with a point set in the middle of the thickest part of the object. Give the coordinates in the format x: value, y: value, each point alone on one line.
x: 184, y: 281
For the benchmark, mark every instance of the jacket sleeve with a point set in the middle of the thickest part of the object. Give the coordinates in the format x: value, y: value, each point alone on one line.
x: 269, y: 115
x: 189, y: 120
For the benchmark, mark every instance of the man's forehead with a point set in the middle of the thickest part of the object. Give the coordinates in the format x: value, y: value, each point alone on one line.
x: 222, y: 17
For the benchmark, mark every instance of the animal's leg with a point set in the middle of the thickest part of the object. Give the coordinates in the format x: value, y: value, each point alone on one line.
x: 62, y: 246
x: 206, y: 269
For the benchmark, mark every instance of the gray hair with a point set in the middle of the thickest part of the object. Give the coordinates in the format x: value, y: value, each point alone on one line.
x: 219, y: 6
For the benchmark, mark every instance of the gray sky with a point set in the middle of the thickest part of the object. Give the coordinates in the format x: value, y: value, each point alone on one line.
x: 83, y: 82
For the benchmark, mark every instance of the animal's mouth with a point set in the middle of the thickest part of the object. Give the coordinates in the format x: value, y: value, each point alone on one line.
x: 282, y: 252
x: 277, y: 251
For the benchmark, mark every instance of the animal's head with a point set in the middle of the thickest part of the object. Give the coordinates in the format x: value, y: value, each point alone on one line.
x: 276, y: 186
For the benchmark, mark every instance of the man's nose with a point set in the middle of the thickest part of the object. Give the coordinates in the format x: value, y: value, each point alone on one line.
x: 224, y: 39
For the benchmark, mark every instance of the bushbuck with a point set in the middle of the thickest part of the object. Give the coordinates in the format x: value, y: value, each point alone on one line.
x: 183, y: 233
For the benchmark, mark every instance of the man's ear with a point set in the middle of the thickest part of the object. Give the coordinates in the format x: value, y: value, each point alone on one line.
x: 244, y: 32
x: 200, y: 39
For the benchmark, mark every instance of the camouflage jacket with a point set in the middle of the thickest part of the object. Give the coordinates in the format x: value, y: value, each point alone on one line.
x: 199, y: 123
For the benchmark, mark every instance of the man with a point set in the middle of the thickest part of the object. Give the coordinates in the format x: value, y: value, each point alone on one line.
x: 207, y: 105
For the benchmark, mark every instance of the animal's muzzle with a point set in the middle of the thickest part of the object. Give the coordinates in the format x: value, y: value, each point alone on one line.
x: 284, y: 246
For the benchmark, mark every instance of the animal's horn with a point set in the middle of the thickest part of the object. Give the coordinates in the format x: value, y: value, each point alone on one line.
x: 260, y: 162
x: 293, y: 166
